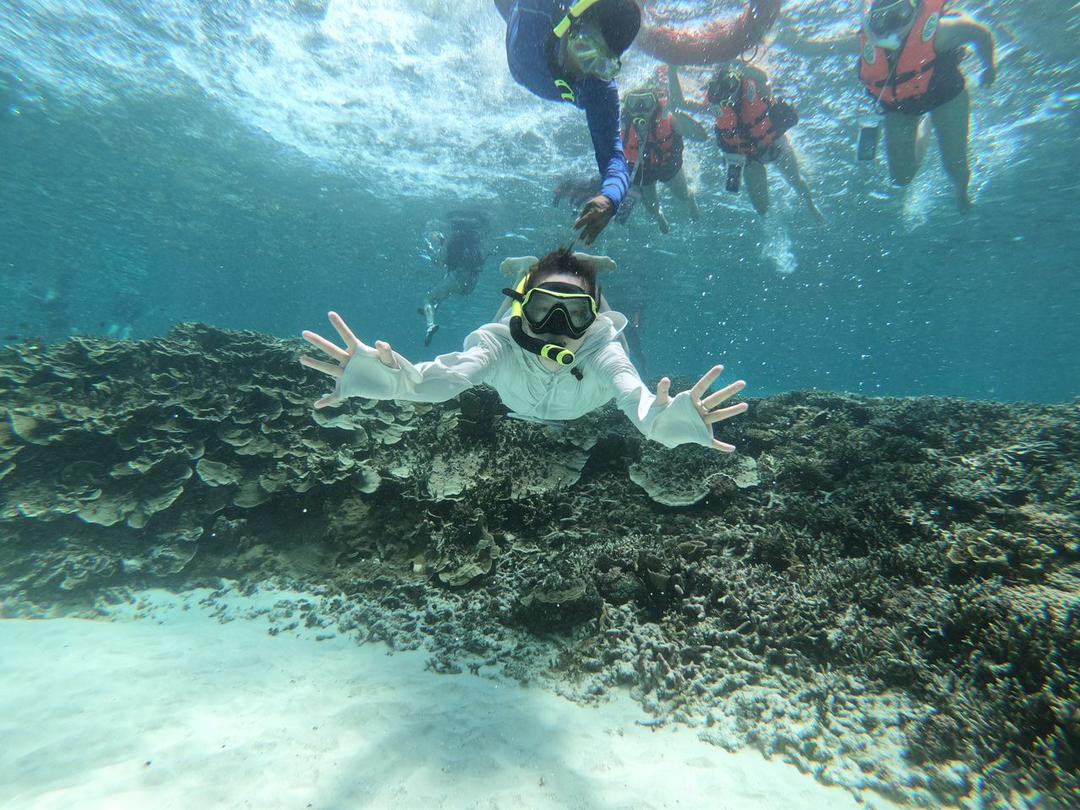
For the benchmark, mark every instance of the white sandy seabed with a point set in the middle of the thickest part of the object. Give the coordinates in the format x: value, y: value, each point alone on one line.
x: 172, y: 709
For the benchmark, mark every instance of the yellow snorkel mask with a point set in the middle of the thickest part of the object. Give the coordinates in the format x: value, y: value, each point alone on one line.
x: 551, y: 308
x: 587, y: 47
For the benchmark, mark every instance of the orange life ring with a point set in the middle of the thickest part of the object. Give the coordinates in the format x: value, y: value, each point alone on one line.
x: 717, y: 41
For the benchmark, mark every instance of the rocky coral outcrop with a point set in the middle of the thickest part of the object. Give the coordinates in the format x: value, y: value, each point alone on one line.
x: 885, y: 591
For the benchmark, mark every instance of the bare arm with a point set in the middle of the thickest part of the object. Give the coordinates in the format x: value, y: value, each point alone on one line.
x: 689, y: 128
x: 842, y: 45
x: 965, y: 31
x: 675, y: 94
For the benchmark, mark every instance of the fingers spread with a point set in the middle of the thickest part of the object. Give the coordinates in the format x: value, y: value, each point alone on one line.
x: 346, y: 333
x: 702, y: 385
x: 728, y: 391
x: 319, y: 365
x: 324, y: 345
x: 725, y: 413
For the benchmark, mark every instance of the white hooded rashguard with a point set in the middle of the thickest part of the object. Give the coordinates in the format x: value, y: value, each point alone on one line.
x: 531, y: 390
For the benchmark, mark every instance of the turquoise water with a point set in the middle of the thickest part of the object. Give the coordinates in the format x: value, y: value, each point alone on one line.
x: 255, y: 164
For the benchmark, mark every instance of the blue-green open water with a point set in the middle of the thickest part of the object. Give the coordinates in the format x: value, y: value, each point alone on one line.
x: 254, y: 164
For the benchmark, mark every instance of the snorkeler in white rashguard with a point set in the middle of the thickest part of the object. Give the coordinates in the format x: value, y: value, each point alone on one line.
x: 554, y: 356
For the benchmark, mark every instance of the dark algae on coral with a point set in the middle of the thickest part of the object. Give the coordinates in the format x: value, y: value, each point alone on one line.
x: 884, y: 591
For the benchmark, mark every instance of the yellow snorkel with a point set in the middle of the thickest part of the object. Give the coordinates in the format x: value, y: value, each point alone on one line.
x: 575, y: 11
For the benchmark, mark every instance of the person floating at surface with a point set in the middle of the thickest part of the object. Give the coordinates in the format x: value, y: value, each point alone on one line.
x: 554, y: 356
x: 462, y: 256
x: 653, y: 143
x: 572, y: 54
x: 909, y: 61
x: 751, y: 129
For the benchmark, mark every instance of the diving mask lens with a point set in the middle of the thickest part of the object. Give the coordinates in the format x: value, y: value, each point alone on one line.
x: 891, y: 18
x: 560, y: 309
x: 723, y: 89
x: 640, y: 104
x: 593, y: 56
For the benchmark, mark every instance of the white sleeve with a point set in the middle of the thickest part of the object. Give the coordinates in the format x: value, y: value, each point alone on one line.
x: 435, y: 381
x: 678, y: 423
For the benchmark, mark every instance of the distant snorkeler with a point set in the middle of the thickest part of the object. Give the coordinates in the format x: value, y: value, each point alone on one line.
x: 553, y: 356
x: 909, y: 61
x: 751, y: 129
x: 652, y: 137
x: 463, y: 257
x: 571, y: 53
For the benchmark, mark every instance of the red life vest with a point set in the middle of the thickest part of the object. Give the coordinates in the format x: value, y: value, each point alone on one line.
x: 908, y: 77
x: 748, y: 127
x: 663, y: 142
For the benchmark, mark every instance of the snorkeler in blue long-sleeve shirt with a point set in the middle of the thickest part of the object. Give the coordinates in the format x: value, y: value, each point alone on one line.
x: 572, y: 54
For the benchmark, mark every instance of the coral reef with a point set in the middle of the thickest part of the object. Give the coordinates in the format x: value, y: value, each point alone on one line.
x: 886, y: 592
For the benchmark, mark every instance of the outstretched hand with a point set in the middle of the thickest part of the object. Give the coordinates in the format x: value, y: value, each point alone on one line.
x: 353, y: 347
x: 708, y: 406
x: 594, y: 217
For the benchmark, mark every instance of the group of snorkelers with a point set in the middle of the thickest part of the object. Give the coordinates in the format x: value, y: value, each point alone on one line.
x: 909, y: 63
x: 556, y: 350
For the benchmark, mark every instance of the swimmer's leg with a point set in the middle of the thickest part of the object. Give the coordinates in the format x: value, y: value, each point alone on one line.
x: 757, y: 185
x: 788, y: 164
x: 681, y: 189
x: 450, y: 284
x: 652, y: 202
x: 951, y: 124
x: 902, y: 146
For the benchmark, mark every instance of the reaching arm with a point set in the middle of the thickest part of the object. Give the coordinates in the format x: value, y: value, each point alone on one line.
x: 965, y: 31
x: 601, y: 103
x: 841, y: 45
x: 689, y: 128
x: 677, y: 100
x: 381, y: 373
x: 671, y: 421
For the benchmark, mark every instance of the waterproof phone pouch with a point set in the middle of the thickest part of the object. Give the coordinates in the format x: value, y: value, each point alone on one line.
x: 735, y: 163
x: 629, y: 202
x: 869, y: 133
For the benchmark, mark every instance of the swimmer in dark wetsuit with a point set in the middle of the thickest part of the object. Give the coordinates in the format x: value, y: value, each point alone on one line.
x: 462, y: 256
x: 909, y: 61
x: 568, y: 51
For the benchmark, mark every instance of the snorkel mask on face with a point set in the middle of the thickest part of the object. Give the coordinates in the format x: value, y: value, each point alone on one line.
x: 551, y: 308
x: 640, y: 107
x: 723, y: 88
x: 585, y: 43
x: 592, y: 54
x: 887, y: 22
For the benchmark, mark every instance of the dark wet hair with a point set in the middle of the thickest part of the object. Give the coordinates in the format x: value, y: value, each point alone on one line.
x: 564, y: 261
x: 619, y: 22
